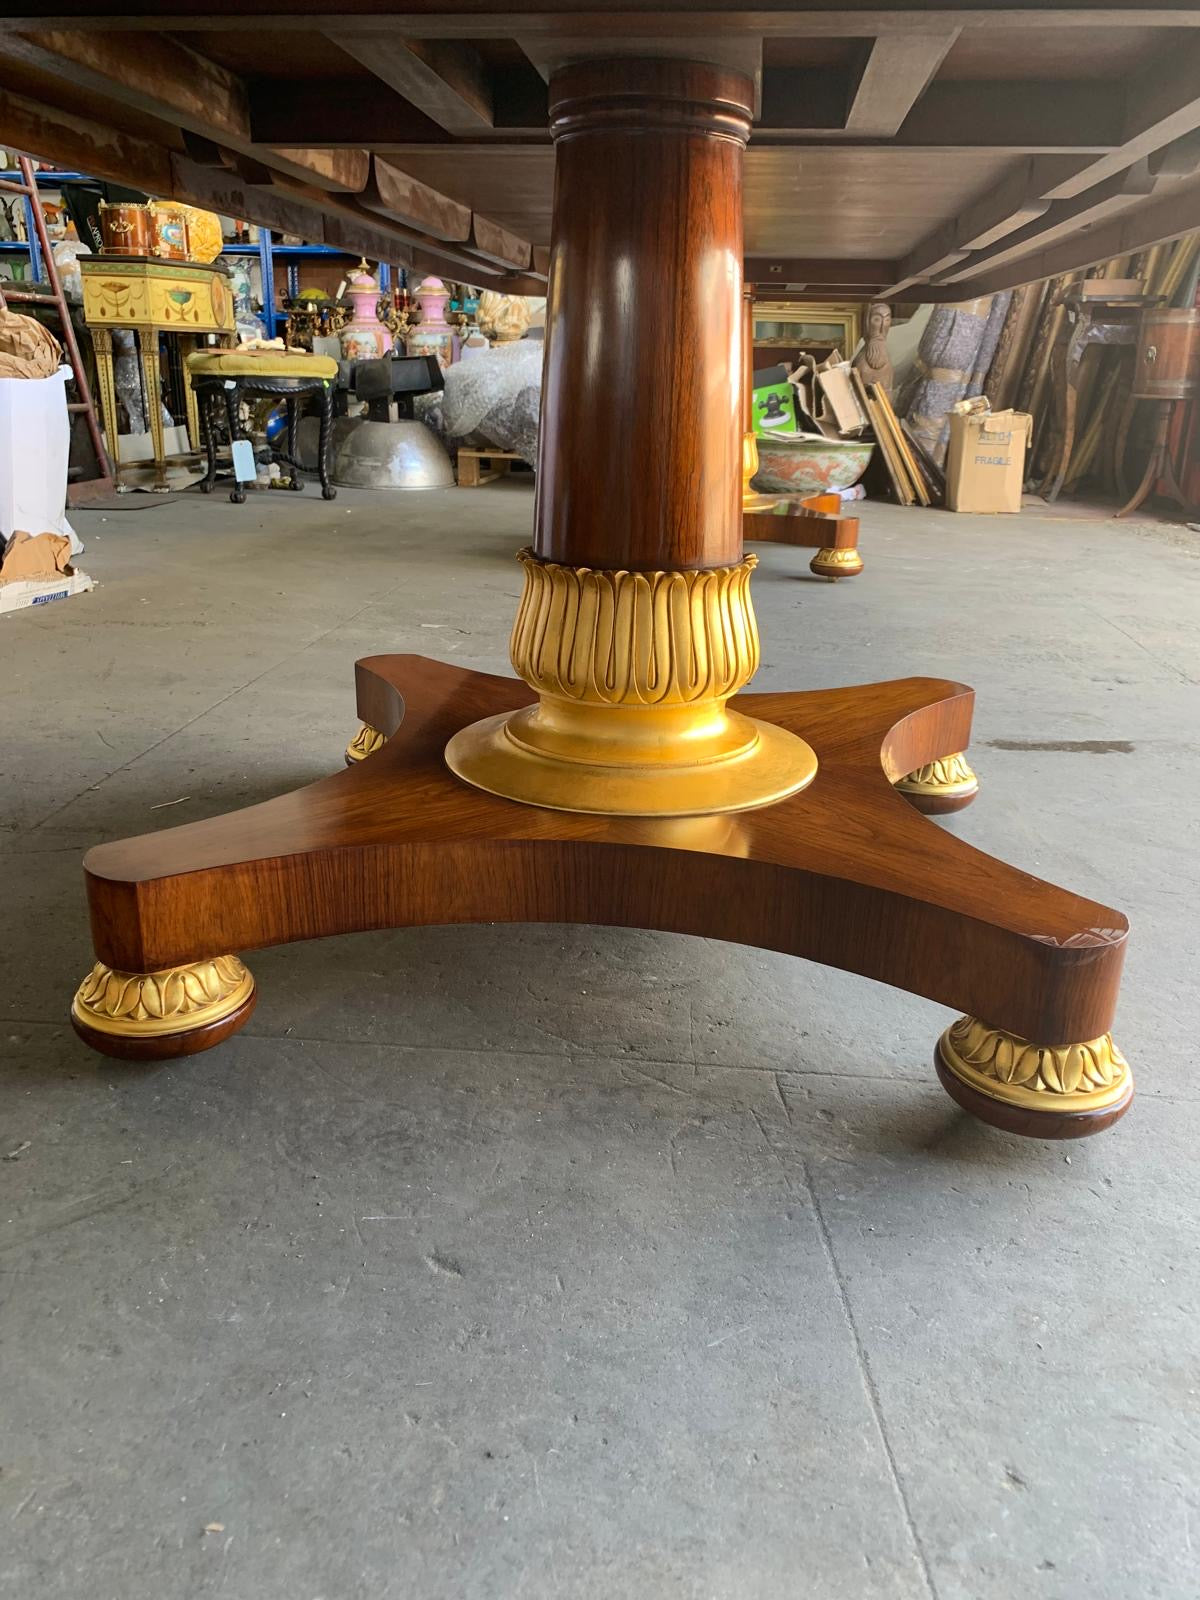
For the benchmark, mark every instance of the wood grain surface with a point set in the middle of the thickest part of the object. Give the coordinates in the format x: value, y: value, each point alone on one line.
x: 845, y: 873
x: 639, y: 460
x: 804, y: 524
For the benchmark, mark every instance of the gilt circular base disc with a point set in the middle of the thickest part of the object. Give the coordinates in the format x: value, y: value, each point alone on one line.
x: 772, y: 765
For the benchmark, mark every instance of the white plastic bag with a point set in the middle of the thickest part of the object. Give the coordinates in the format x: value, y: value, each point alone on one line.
x: 35, y: 437
x: 66, y: 258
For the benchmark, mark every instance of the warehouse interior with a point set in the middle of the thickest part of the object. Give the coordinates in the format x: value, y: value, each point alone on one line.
x: 600, y: 626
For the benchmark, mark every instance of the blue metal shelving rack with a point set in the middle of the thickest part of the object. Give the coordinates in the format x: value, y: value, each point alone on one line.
x: 292, y: 255
x: 29, y: 245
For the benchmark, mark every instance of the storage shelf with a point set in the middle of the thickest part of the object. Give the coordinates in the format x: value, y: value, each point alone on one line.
x: 266, y: 252
x: 284, y: 250
x: 19, y: 245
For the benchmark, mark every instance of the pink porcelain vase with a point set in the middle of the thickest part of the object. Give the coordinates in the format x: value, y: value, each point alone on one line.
x: 433, y: 335
x: 364, y: 337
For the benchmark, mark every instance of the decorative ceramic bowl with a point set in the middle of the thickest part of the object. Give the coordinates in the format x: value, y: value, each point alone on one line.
x: 807, y: 463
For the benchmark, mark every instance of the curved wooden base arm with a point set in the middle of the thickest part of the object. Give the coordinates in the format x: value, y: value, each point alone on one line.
x: 811, y: 522
x: 845, y: 873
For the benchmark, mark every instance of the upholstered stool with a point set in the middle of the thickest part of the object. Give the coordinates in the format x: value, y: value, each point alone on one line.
x: 220, y: 379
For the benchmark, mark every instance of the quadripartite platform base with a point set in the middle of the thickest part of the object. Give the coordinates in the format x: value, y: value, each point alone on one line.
x: 846, y: 872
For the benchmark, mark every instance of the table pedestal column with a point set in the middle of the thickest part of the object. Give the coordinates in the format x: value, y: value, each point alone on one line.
x: 636, y: 624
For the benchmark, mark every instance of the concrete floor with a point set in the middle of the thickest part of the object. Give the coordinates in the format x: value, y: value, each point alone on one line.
x: 556, y: 1262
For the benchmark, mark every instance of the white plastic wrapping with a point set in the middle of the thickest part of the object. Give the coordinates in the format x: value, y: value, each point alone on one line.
x: 494, y: 399
x: 66, y: 258
x: 127, y: 378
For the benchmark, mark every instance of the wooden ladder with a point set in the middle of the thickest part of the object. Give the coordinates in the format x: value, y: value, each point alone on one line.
x: 77, y: 493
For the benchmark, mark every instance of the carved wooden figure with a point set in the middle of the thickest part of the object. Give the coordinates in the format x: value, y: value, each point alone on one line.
x: 872, y: 362
x: 622, y: 778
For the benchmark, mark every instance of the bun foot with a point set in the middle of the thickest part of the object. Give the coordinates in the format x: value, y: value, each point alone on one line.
x: 835, y: 564
x: 1064, y: 1091
x: 156, y: 1016
x: 941, y: 786
x: 364, y: 743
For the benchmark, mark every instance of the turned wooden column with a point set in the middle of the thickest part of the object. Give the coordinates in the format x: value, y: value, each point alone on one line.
x: 635, y: 625
x: 640, y: 454
x: 749, y: 441
x: 748, y: 359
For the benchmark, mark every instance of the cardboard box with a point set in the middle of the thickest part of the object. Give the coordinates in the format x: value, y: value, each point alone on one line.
x: 1109, y: 289
x: 842, y: 407
x: 827, y: 396
x: 985, y: 465
x: 34, y: 571
x: 137, y: 447
x: 22, y: 594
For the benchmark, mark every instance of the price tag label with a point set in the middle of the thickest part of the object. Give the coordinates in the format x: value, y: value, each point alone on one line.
x: 244, y: 469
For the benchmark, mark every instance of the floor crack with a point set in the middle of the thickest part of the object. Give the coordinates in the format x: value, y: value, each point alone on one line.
x: 869, y: 1384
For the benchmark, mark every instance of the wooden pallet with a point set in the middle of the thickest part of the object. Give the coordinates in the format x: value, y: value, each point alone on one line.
x: 477, y: 467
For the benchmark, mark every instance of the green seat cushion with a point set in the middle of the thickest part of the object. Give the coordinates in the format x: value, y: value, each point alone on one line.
x: 260, y: 364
